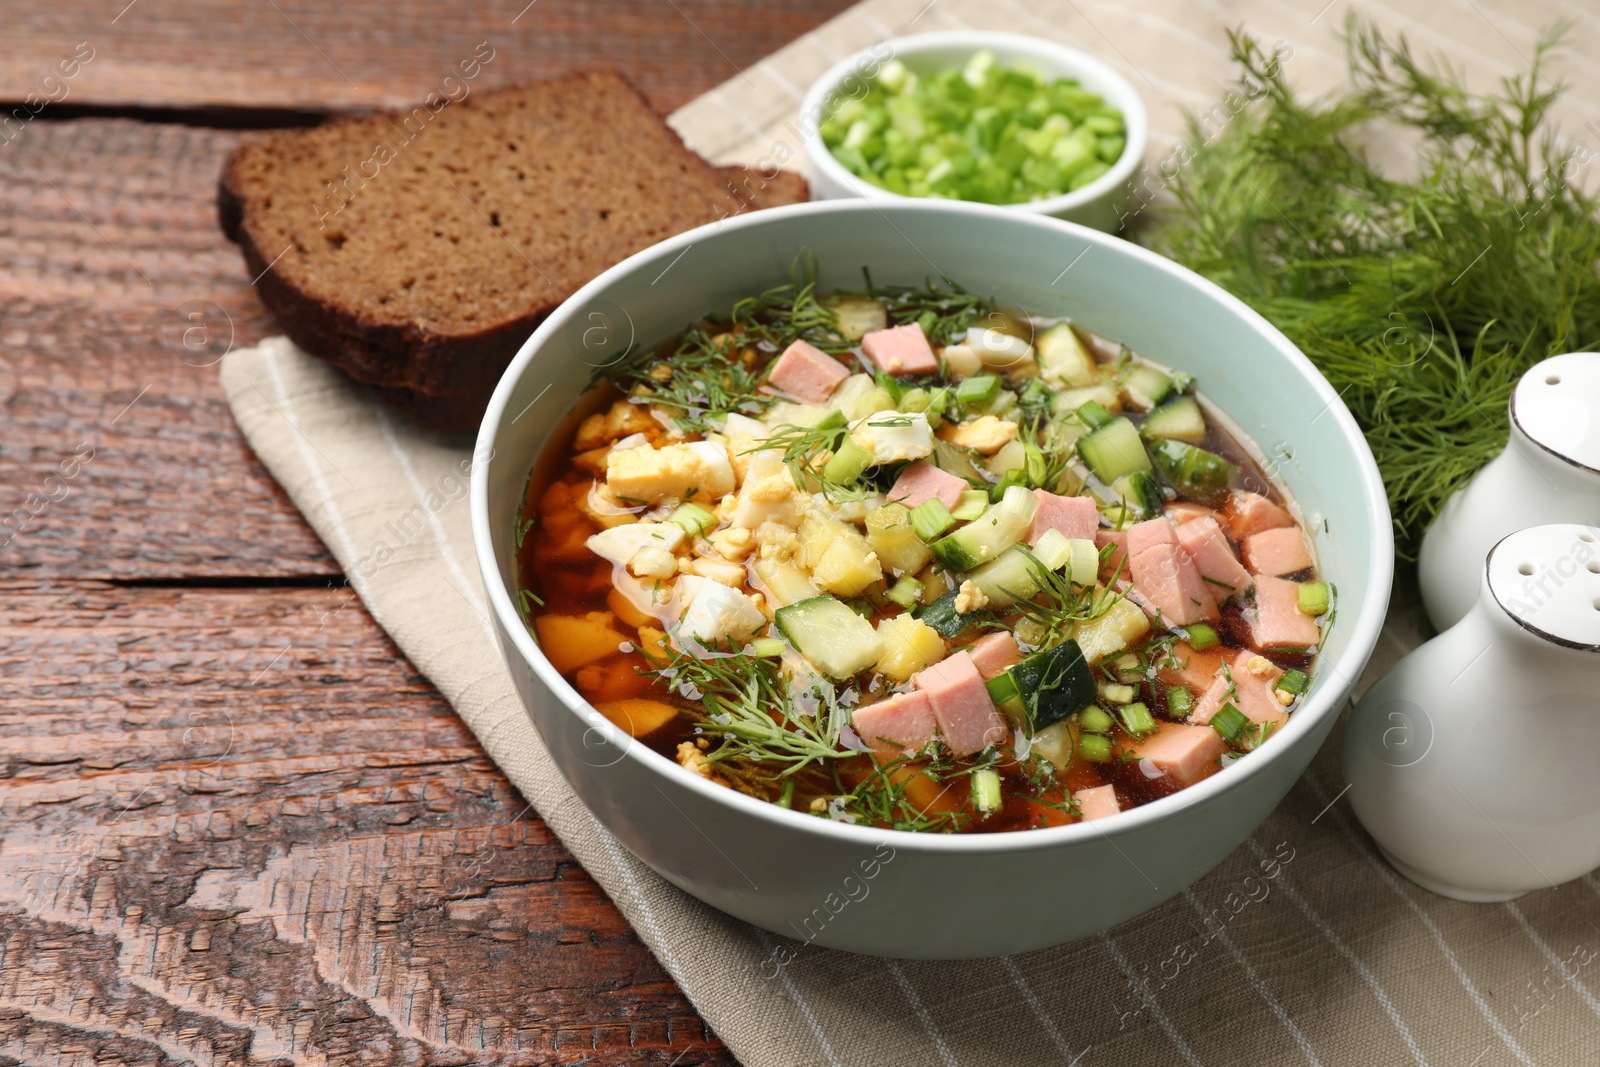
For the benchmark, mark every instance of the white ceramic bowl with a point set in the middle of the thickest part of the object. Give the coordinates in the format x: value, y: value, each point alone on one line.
x: 1099, y: 204
x: 934, y: 895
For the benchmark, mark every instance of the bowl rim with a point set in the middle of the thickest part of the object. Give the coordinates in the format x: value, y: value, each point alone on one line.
x: 1136, y: 117
x: 1364, y: 627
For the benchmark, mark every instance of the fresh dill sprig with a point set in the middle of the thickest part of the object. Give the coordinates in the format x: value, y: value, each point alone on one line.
x: 1059, y: 607
x: 747, y: 703
x: 805, y: 451
x: 1423, y: 299
x: 702, y: 380
x: 527, y: 599
x: 945, y: 313
x: 788, y: 313
x: 880, y: 798
x: 1040, y: 774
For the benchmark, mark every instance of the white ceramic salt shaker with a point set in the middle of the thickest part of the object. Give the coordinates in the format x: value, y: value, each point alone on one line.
x: 1473, y: 761
x: 1549, y: 472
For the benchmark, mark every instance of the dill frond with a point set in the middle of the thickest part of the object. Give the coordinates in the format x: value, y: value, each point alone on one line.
x: 1422, y: 300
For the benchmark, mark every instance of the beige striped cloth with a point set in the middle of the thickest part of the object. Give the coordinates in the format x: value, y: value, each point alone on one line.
x: 1333, y: 960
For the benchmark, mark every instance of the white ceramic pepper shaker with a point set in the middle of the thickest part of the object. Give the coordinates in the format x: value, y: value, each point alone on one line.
x: 1549, y: 472
x: 1473, y: 761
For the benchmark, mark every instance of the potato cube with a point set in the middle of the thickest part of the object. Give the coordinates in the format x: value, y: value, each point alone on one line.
x: 908, y: 646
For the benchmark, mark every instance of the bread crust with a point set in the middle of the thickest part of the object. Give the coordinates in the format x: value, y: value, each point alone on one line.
x: 442, y: 378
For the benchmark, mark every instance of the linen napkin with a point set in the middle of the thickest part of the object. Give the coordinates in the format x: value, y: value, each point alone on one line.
x: 1302, y: 946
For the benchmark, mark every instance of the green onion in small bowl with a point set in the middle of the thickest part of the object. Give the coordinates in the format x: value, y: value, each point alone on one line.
x: 988, y: 117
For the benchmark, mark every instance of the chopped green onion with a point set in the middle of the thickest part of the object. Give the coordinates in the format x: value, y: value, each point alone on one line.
x: 1095, y: 720
x: 1179, y: 702
x: 1010, y: 478
x: 986, y: 789
x: 973, y: 503
x: 694, y: 519
x: 847, y: 463
x: 1295, y: 682
x: 1128, y: 668
x: 1118, y: 693
x: 1137, y: 720
x: 766, y: 647
x: 1085, y: 566
x: 979, y: 389
x: 1002, y: 404
x: 1096, y: 748
x: 1093, y: 414
x: 979, y: 130
x: 930, y: 519
x: 1314, y: 598
x: 1202, y: 637
x: 916, y: 400
x: 889, y: 385
x: 907, y: 592
x: 833, y: 420
x: 1230, y: 722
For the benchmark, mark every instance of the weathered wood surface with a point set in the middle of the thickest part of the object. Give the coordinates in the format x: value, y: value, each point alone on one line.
x: 235, y: 825
x: 239, y: 828
x: 315, y: 55
x: 108, y: 240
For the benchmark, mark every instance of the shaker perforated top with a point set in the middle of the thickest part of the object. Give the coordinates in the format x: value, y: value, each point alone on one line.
x: 1557, y: 405
x: 1547, y: 578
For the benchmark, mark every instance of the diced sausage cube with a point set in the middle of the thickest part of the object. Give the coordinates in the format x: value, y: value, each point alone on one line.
x: 900, y: 350
x: 1113, y: 564
x: 1275, y: 619
x: 1144, y: 536
x: 898, y: 725
x: 1096, y: 803
x: 807, y: 373
x: 1073, y: 516
x: 967, y: 717
x: 1166, y: 576
x: 1248, y: 513
x: 1185, y: 754
x: 1193, y: 670
x: 1213, y: 557
x: 1181, y: 512
x: 995, y: 653
x: 1247, y: 684
x: 921, y: 481
x: 1276, y: 552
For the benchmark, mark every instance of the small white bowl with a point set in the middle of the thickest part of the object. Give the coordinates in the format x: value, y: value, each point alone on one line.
x: 1100, y: 204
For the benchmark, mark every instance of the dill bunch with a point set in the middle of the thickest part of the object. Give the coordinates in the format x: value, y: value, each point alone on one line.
x: 1422, y: 299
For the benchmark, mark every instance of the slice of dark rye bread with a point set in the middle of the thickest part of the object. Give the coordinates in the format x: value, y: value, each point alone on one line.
x: 417, y: 250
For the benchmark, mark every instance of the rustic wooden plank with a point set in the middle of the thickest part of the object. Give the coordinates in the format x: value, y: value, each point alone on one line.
x: 379, y: 53
x: 108, y: 244
x: 236, y: 826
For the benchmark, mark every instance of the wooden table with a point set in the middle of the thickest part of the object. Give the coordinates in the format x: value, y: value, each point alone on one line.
x: 235, y: 824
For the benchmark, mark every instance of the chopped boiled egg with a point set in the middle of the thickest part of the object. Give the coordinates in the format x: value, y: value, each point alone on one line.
x: 997, y: 350
x: 650, y: 475
x: 894, y: 436
x: 717, y: 612
x: 985, y: 435
x: 620, y: 544
x: 767, y: 494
